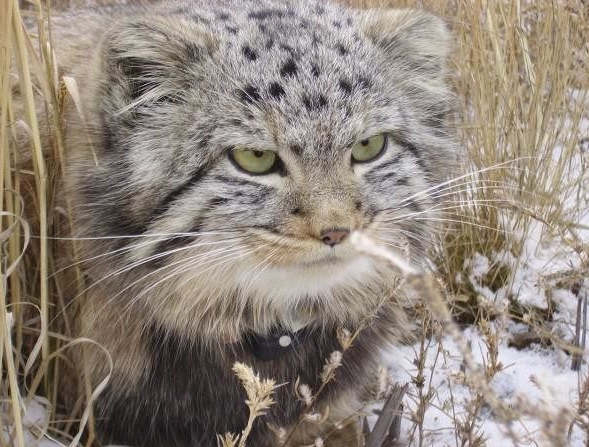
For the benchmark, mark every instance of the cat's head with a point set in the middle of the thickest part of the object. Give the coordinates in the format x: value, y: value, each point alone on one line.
x: 241, y: 149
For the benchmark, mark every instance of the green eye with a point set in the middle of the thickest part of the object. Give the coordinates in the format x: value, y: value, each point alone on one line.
x: 254, y: 161
x: 369, y: 149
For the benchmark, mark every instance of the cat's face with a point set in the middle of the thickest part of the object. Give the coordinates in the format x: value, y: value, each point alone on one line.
x: 244, y: 155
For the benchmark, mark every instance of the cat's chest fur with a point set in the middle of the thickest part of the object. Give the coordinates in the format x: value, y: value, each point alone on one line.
x: 183, y: 397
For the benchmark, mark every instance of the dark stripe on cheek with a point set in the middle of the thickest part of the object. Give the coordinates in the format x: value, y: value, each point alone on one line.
x: 173, y: 243
x: 195, y: 179
x: 413, y: 150
x: 374, y: 173
x: 267, y: 227
x: 216, y: 201
x: 235, y: 181
x: 250, y: 197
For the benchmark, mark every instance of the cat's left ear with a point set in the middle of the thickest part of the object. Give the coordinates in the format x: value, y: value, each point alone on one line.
x: 413, y: 40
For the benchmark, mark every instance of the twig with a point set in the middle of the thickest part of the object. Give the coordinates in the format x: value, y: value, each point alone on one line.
x: 580, y: 329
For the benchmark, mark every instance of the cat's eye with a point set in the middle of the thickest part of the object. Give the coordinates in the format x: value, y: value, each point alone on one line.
x: 254, y: 161
x: 369, y: 148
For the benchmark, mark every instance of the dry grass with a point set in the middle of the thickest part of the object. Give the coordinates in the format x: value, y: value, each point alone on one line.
x: 521, y: 73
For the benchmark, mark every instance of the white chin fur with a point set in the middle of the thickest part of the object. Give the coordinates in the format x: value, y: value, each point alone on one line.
x: 319, y: 279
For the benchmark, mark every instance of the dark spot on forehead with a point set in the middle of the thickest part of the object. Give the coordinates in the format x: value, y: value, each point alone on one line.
x: 287, y: 48
x: 314, y: 103
x: 263, y: 14
x: 231, y: 29
x: 320, y: 10
x: 289, y: 68
x: 345, y: 86
x: 249, y: 53
x: 364, y: 83
x: 296, y: 149
x: 315, y: 70
x: 342, y: 49
x: 276, y: 90
x: 223, y: 16
x: 269, y: 43
x: 337, y: 24
x: 249, y: 94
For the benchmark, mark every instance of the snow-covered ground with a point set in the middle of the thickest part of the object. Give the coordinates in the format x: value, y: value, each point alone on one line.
x: 541, y: 377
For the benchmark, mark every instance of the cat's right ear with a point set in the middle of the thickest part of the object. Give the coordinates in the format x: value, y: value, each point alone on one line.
x: 412, y: 40
x: 153, y: 60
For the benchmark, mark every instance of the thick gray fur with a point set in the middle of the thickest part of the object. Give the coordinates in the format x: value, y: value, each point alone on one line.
x: 191, y: 254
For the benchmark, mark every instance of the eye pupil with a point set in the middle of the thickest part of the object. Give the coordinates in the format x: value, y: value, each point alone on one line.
x: 365, y: 142
x: 258, y: 154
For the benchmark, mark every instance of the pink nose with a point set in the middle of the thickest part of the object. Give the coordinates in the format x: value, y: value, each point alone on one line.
x: 334, y: 236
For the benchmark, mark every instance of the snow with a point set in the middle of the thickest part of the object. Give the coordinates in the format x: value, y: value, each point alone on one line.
x: 35, y: 422
x: 540, y: 377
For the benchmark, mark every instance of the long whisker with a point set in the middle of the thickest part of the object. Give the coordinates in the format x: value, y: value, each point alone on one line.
x: 135, y: 264
x: 494, y: 167
x: 186, y: 264
x: 485, y: 227
x: 185, y: 268
x: 263, y: 264
x: 133, y: 236
x: 440, y: 208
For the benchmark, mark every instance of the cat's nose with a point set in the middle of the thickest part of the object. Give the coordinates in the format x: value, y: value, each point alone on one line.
x: 334, y: 236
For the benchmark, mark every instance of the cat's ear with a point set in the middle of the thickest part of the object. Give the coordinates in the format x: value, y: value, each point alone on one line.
x: 152, y: 59
x: 413, y: 40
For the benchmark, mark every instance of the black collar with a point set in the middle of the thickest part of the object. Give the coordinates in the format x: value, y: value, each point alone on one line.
x: 277, y: 343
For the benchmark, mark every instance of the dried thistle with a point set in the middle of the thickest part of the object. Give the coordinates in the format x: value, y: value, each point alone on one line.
x: 304, y: 393
x: 334, y: 362
x: 259, y: 399
x: 227, y: 440
x: 317, y: 418
x: 345, y: 338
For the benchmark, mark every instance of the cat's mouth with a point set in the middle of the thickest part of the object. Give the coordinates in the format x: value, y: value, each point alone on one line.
x: 330, y: 258
x: 304, y: 252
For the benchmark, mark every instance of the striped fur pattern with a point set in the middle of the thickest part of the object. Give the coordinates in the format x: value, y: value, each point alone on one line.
x: 186, y: 253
